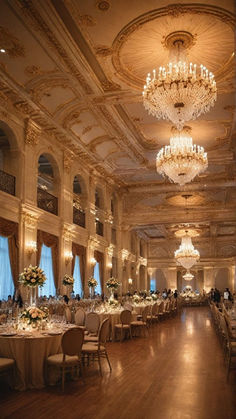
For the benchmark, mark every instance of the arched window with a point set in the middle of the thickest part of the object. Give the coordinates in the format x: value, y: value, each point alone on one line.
x: 47, y: 186
x: 78, y: 289
x: 96, y: 275
x: 47, y: 265
x: 79, y: 201
x: 6, y: 280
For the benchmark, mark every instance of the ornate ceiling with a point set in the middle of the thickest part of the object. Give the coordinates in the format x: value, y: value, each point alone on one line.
x: 77, y: 68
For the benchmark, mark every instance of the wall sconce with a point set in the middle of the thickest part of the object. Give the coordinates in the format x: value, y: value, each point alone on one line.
x: 109, y: 265
x: 68, y: 257
x: 93, y: 261
x: 130, y: 281
x: 31, y: 248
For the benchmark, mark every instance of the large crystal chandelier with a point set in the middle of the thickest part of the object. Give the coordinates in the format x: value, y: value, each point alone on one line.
x: 188, y: 276
x: 182, y: 160
x: 180, y: 91
x: 187, y: 255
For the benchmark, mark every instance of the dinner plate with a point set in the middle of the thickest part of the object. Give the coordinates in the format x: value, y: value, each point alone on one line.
x: 54, y: 333
x: 8, y: 334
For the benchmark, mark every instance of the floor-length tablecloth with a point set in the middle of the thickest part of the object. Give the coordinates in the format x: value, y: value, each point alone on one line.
x: 30, y: 354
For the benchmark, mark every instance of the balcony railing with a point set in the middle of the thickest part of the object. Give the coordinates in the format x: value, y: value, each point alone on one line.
x: 7, y: 183
x: 79, y: 217
x: 99, y: 228
x: 47, y: 202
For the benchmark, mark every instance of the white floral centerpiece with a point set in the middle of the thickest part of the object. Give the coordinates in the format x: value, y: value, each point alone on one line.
x: 32, y: 315
x: 137, y: 299
x: 112, y: 302
x: 32, y: 276
x: 112, y: 283
x: 92, y: 283
x: 68, y: 280
x: 154, y: 297
x: 148, y: 298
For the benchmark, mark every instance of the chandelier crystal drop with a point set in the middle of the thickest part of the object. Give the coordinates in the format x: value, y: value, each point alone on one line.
x: 181, y: 91
x: 182, y: 160
x: 188, y: 276
x: 187, y: 255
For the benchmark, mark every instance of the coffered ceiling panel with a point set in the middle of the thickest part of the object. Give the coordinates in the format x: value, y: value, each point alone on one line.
x: 77, y: 69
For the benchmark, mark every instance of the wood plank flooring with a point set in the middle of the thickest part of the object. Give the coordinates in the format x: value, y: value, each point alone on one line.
x: 178, y: 372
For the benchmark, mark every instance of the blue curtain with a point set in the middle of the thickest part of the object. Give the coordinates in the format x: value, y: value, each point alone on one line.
x: 96, y: 275
x: 47, y: 266
x: 153, y: 286
x: 6, y: 280
x: 77, y: 277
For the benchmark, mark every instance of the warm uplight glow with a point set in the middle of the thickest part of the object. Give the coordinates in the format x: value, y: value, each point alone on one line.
x: 31, y: 247
x: 68, y: 257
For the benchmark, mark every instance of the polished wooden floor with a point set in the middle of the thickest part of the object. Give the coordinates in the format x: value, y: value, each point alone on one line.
x: 178, y: 372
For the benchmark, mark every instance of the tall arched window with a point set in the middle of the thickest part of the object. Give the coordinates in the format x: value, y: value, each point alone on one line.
x: 96, y: 274
x: 47, y: 191
x: 78, y: 289
x: 47, y: 265
x: 6, y: 280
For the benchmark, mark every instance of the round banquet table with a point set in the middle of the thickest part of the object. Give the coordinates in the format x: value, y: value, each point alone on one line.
x: 30, y: 353
x: 114, y: 318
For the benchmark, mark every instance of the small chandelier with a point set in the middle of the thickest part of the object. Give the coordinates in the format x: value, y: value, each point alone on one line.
x: 181, y: 161
x: 187, y: 255
x: 188, y: 276
x: 180, y: 91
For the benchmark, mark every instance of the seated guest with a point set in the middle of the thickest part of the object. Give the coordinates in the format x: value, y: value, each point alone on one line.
x: 66, y: 299
x: 77, y: 297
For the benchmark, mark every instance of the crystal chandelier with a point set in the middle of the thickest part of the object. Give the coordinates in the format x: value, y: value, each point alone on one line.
x: 181, y: 161
x: 180, y: 91
x: 188, y: 276
x: 187, y: 255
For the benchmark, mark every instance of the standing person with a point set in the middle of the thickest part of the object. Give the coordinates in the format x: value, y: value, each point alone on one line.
x: 226, y: 298
x: 175, y: 294
x: 217, y: 296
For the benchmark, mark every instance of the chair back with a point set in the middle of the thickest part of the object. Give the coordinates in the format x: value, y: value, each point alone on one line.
x: 161, y: 307
x: 154, y: 309
x: 128, y: 306
x: 72, y: 341
x: 125, y: 317
x: 145, y: 313
x: 80, y: 317
x: 68, y: 315
x: 103, y: 333
x: 92, y: 322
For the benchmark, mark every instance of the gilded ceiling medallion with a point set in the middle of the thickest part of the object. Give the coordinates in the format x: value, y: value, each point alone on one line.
x: 145, y: 39
x: 103, y: 5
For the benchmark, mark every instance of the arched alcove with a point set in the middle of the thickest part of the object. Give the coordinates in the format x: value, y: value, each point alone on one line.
x: 161, y: 282
x: 10, y: 161
x: 79, y: 201
x: 48, y: 184
x: 222, y: 279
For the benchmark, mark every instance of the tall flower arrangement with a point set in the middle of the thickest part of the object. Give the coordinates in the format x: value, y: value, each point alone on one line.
x: 112, y: 283
x: 92, y: 283
x: 32, y: 276
x: 68, y: 280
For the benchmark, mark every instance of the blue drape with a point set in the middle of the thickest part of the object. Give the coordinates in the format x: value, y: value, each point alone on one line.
x: 47, y: 266
x: 153, y: 286
x: 6, y: 280
x: 77, y: 277
x: 96, y: 274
